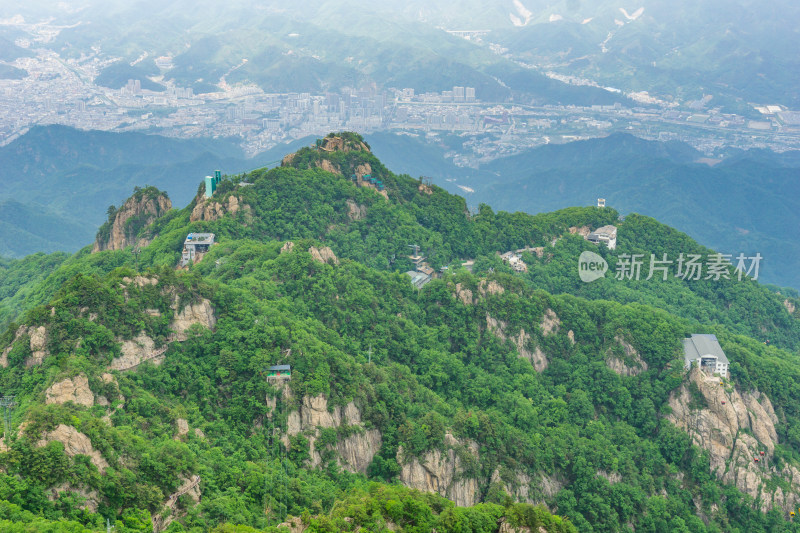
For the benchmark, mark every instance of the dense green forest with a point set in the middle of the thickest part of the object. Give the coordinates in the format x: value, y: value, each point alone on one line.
x: 513, y: 395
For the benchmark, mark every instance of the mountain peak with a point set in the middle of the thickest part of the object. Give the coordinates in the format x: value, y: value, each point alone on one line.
x: 323, y: 149
x: 124, y: 224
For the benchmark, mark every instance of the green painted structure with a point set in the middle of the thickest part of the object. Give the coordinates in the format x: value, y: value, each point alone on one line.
x: 279, y: 372
x: 212, y: 182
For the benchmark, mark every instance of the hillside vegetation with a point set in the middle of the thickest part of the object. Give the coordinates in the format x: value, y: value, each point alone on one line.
x: 485, y: 401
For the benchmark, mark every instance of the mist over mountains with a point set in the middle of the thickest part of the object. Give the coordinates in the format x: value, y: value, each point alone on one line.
x: 738, y: 53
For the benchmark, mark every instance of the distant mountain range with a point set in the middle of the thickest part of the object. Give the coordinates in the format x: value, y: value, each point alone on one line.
x: 679, y: 50
x: 285, y: 48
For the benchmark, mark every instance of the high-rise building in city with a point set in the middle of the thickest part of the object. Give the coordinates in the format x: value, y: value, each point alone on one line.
x: 458, y: 94
x: 470, y: 94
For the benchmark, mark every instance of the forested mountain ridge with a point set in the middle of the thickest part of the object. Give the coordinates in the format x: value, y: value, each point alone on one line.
x: 747, y: 202
x: 135, y: 381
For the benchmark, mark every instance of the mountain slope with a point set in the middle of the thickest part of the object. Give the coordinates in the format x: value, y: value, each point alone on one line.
x: 25, y: 230
x: 482, y: 387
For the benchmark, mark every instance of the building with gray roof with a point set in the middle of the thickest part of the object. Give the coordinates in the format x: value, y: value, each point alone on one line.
x: 195, y: 243
x: 704, y: 350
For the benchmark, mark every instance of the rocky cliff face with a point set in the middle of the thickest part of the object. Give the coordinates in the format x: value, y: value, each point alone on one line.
x: 37, y: 341
x: 524, y: 488
x: 445, y: 471
x: 134, y: 352
x: 75, y: 443
x: 356, y: 211
x: 75, y: 390
x: 485, y: 288
x: 442, y: 471
x: 336, y: 143
x: 327, y: 166
x: 583, y: 231
x: 323, y: 255
x: 522, y: 340
x: 211, y: 209
x: 200, y: 312
x: 142, y: 348
x: 353, y: 452
x: 90, y: 497
x: 628, y: 362
x: 526, y: 346
x: 735, y: 427
x: 137, y: 212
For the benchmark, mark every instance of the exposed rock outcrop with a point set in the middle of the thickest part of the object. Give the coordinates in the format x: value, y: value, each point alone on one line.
x: 506, y: 527
x: 201, y: 312
x: 38, y: 344
x: 326, y: 165
x: 136, y: 351
x: 789, y: 305
x: 323, y: 255
x: 490, y: 287
x: 91, y: 498
x: 519, y: 486
x: 75, y: 443
x: 355, y: 211
x: 735, y: 428
x: 550, y: 322
x: 182, y: 426
x: 335, y: 143
x: 140, y: 281
x: 37, y: 341
x: 138, y: 211
x: 327, y: 145
x: 362, y: 170
x: 288, y: 159
x: 353, y: 452
x: 485, y: 288
x: 210, y: 209
x: 142, y: 348
x: 4, y: 355
x: 611, y: 477
x: 631, y: 364
x: 583, y: 231
x: 287, y: 247
x: 75, y: 390
x: 521, y: 340
x: 463, y: 294
x: 442, y: 472
x: 295, y: 525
